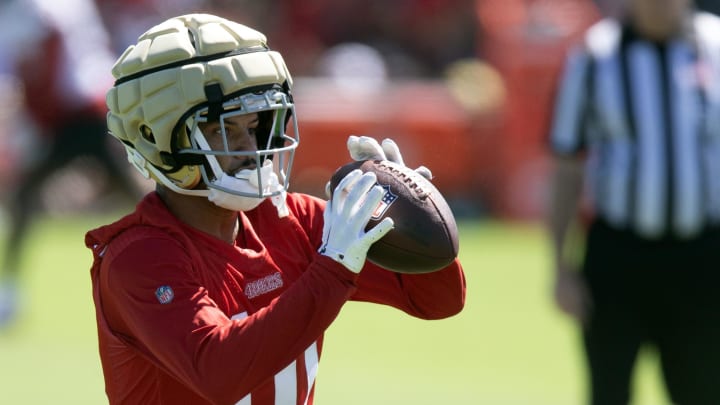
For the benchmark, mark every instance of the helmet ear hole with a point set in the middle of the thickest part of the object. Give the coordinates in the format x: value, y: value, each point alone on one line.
x: 147, y: 134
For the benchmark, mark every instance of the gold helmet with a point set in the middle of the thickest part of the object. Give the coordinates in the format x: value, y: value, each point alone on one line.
x: 197, y: 68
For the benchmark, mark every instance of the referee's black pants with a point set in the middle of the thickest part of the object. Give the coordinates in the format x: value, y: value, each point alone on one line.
x: 665, y: 293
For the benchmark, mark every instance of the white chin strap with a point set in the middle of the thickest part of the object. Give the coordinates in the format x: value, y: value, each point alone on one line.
x: 246, y: 181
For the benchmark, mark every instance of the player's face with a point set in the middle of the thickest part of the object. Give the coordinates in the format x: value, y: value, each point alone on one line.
x: 662, y: 16
x: 240, y: 131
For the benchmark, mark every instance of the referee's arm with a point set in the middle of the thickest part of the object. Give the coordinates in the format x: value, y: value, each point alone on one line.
x: 566, y: 182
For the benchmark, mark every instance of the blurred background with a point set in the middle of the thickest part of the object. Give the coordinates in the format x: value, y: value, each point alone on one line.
x: 463, y: 86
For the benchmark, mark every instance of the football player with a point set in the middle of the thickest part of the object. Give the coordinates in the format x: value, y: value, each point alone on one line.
x: 219, y: 286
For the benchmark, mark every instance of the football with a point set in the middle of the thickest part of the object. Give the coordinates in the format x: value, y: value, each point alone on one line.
x: 425, y: 236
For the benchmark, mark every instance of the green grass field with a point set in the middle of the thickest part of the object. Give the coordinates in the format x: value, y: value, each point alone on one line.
x: 508, y: 347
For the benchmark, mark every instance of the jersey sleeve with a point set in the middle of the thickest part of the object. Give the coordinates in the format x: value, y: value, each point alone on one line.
x: 435, y: 295
x: 570, y: 110
x: 153, y: 300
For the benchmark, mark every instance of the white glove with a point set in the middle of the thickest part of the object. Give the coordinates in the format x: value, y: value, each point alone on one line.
x: 346, y: 216
x: 367, y: 148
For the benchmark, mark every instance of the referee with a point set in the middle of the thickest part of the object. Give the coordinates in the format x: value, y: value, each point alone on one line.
x: 636, y: 130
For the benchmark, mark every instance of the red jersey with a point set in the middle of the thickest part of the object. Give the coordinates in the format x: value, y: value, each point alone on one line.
x: 185, y: 318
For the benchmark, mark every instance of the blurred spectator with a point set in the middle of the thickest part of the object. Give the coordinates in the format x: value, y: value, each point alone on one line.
x: 417, y: 38
x: 636, y: 122
x: 59, y: 52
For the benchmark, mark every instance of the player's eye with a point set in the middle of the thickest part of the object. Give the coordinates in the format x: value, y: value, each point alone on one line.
x: 212, y: 129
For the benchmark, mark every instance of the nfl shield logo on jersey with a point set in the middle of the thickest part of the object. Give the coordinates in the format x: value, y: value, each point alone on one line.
x: 164, y: 294
x: 387, y: 200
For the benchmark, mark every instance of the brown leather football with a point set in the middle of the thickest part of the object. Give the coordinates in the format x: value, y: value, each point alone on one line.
x: 425, y: 236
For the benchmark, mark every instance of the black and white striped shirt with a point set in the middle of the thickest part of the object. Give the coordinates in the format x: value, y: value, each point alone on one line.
x: 648, y: 117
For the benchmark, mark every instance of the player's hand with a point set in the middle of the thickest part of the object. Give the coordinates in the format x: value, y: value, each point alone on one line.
x: 367, y: 148
x: 346, y: 216
x: 572, y: 295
